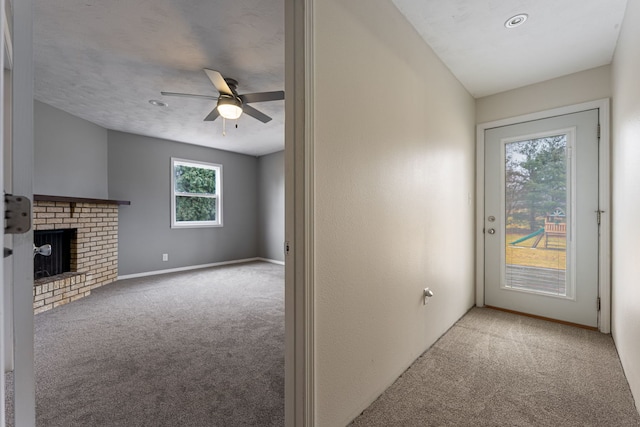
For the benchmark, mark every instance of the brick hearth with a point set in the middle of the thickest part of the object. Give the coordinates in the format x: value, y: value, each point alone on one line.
x: 94, y: 252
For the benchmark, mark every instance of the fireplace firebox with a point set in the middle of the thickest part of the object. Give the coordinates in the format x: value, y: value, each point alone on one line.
x: 60, y: 259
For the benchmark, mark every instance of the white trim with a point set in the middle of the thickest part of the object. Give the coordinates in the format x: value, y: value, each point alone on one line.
x: 604, y: 320
x: 5, y: 304
x: 272, y: 261
x: 22, y: 182
x: 190, y: 267
x: 570, y: 133
x: 8, y: 43
x: 480, y: 129
x: 309, y: 210
x: 572, y: 211
x: 217, y: 195
x: 299, y: 206
x: 604, y: 201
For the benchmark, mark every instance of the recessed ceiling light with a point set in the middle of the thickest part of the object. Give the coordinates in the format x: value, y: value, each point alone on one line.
x: 158, y: 103
x: 516, y: 21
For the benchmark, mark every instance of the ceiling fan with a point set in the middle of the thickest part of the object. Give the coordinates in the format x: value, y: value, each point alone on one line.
x: 229, y: 104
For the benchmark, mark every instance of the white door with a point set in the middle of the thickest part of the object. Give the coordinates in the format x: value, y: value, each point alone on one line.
x: 17, y: 172
x: 6, y: 296
x: 541, y: 217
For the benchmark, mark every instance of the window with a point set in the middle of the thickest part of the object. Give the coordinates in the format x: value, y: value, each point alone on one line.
x: 196, y: 194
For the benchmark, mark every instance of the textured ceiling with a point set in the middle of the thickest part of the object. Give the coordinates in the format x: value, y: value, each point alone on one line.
x: 559, y: 38
x: 103, y: 60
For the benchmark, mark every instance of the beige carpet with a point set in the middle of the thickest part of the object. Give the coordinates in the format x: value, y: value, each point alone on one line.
x: 499, y: 369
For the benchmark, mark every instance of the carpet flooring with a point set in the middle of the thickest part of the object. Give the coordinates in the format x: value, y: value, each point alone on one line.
x: 197, y: 348
x: 205, y: 348
x: 500, y: 369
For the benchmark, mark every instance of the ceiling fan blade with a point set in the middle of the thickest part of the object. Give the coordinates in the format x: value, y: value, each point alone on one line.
x: 248, y: 98
x: 212, y: 115
x: 256, y: 114
x: 189, y: 95
x: 218, y: 81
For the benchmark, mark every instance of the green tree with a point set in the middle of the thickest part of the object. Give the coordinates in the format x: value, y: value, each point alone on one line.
x: 537, y: 170
x: 195, y: 181
x: 515, y: 181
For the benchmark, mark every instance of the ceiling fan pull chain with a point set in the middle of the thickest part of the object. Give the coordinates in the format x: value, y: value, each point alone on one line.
x: 236, y: 123
x: 224, y: 127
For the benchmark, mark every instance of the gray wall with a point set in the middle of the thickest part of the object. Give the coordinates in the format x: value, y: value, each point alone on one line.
x: 70, y: 155
x: 140, y: 171
x: 271, y: 206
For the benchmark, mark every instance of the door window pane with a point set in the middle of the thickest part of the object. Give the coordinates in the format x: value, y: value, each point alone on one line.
x: 536, y: 218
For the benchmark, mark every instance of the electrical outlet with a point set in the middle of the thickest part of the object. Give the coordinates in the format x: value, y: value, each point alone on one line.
x: 165, y: 257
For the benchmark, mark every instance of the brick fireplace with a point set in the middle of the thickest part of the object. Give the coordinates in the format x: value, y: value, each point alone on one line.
x: 94, y: 247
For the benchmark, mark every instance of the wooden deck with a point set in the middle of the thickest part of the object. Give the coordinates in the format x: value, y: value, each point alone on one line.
x: 547, y: 280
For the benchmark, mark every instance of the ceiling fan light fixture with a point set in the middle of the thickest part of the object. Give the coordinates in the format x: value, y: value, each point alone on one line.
x: 229, y: 107
x: 516, y: 21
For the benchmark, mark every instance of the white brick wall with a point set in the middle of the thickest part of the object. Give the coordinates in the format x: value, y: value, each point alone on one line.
x: 94, y: 258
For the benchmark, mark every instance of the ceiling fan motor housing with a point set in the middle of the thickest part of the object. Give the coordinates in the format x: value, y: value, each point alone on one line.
x: 232, y: 83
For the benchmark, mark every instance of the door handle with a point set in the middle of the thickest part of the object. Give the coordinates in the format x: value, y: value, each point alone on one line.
x: 491, y: 231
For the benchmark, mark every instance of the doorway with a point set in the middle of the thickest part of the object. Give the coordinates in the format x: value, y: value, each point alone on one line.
x: 541, y: 231
x: 542, y: 228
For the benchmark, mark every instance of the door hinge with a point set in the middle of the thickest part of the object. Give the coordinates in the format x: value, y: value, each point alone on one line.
x: 599, y: 216
x: 287, y: 248
x: 17, y: 214
x: 598, y: 131
x: 598, y: 303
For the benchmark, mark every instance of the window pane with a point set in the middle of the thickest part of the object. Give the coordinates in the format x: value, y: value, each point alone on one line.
x: 190, y: 179
x: 195, y: 208
x: 535, y: 215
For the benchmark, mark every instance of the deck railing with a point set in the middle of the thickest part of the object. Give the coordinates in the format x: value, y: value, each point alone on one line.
x: 555, y: 228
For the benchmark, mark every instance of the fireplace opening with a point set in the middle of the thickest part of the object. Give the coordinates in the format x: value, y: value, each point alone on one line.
x: 60, y: 259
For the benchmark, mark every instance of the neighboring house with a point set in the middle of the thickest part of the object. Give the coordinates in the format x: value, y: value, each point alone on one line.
x: 394, y: 185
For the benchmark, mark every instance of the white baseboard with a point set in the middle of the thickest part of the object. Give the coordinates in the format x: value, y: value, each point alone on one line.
x: 196, y: 267
x: 272, y: 261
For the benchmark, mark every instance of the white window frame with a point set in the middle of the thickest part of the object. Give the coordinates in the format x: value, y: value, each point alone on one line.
x: 217, y: 195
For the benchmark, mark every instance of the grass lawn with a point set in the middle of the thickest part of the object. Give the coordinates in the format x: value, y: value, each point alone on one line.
x: 523, y: 254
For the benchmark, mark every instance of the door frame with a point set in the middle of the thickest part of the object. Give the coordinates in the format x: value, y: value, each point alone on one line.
x: 299, y: 185
x: 299, y: 215
x: 22, y: 146
x: 5, y: 305
x: 604, y: 198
